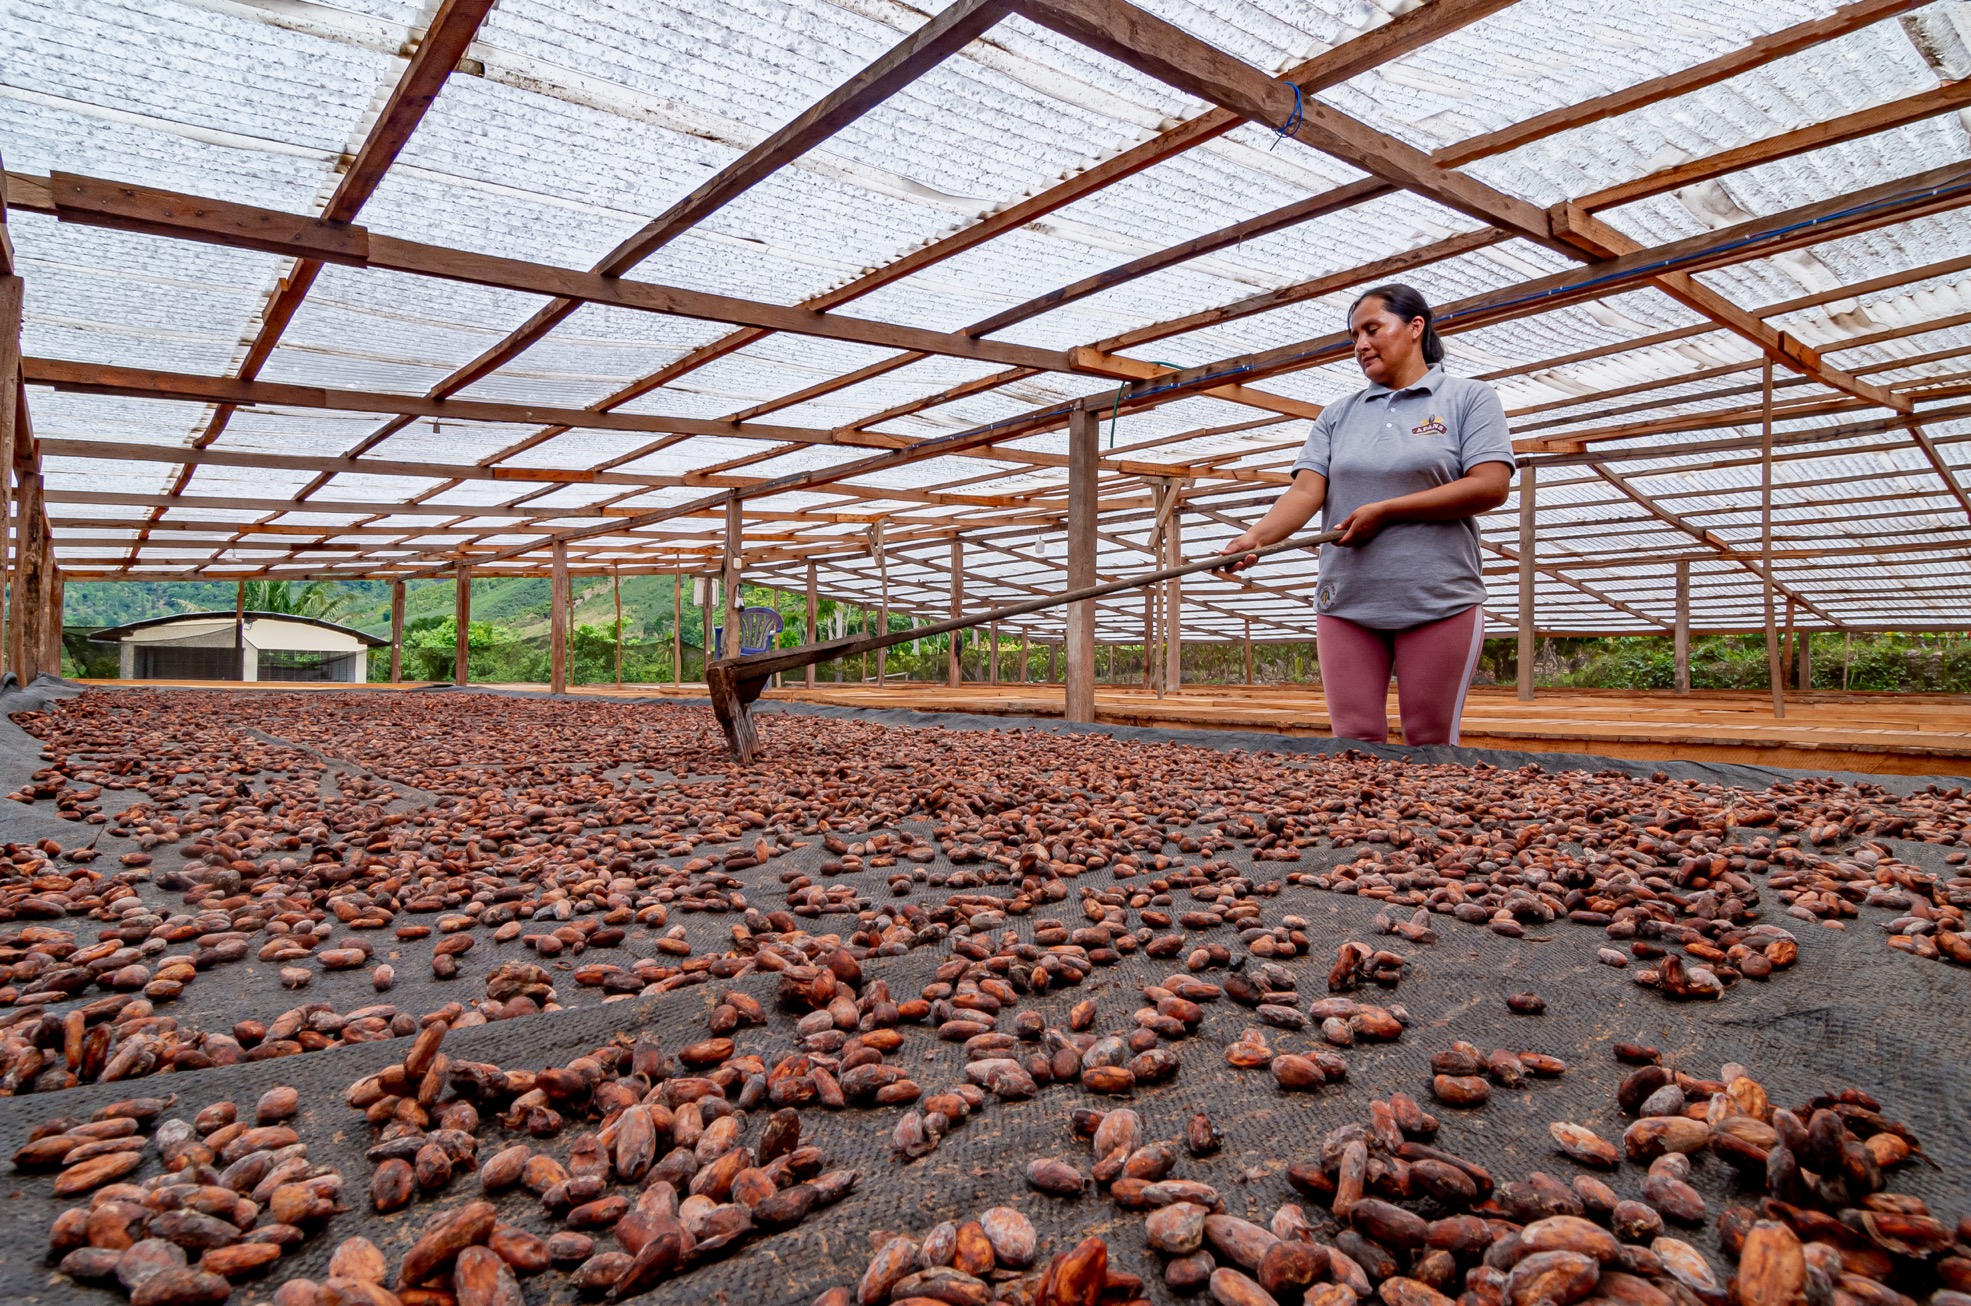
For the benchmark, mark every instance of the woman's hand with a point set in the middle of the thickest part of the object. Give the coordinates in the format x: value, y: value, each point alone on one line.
x: 1364, y: 524
x: 1244, y: 544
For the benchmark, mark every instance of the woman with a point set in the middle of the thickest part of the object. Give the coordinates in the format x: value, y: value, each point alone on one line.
x: 1402, y: 468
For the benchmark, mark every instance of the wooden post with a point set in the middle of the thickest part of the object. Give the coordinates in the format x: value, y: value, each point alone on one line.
x: 30, y: 570
x: 1025, y: 648
x: 462, y: 616
x: 616, y: 588
x: 733, y: 599
x: 10, y: 393
x: 1528, y: 637
x: 558, y: 622
x: 992, y: 658
x: 1248, y: 650
x: 1775, y: 669
x: 1150, y: 640
x: 883, y: 600
x: 1172, y: 678
x: 1786, y: 645
x: 396, y: 632
x: 1804, y: 673
x: 56, y: 585
x: 1682, y: 649
x: 1847, y: 649
x: 677, y: 629
x: 1079, y: 652
x: 955, y: 671
x: 1053, y: 666
x: 239, y: 630
x: 814, y: 609
x: 706, y: 618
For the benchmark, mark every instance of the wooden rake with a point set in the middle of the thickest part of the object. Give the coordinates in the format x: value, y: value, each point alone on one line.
x: 736, y: 682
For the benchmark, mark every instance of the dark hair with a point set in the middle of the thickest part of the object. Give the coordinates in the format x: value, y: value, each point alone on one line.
x: 1408, y: 303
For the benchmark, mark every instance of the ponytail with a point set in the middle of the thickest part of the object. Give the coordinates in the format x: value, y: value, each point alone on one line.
x: 1407, y: 303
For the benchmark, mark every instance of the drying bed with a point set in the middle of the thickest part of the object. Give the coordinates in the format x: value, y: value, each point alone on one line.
x: 1065, y: 868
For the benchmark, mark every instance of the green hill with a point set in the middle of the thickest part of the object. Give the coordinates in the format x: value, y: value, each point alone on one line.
x: 518, y: 605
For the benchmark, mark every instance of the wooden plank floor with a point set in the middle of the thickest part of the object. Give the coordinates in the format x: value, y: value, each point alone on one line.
x: 1902, y: 734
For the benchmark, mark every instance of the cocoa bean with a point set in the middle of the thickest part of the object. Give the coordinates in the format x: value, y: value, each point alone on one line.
x: 1055, y: 1177
x: 444, y: 1238
x: 1559, y: 1277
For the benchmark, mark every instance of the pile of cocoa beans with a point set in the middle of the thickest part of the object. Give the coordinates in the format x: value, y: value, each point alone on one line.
x: 1459, y: 1073
x: 959, y: 1263
x: 232, y: 1195
x: 677, y: 1140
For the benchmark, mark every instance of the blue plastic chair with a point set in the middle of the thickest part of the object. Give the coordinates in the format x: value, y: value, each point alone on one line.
x: 757, y: 627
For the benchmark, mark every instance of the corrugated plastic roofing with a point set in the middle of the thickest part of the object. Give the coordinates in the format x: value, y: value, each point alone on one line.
x: 572, y: 124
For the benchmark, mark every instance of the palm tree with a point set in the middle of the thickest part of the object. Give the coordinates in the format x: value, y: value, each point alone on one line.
x: 314, y: 599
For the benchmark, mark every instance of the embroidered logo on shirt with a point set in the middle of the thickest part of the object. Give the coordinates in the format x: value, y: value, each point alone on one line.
x: 1326, y: 596
x: 1435, y: 426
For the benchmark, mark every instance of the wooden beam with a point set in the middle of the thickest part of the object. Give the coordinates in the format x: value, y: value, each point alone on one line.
x: 1950, y: 97
x: 96, y: 202
x: 1166, y: 52
x: 1399, y: 36
x: 730, y: 581
x: 1083, y: 435
x: 1340, y: 197
x: 558, y: 603
x: 904, y: 62
x: 1760, y: 50
x: 1604, y: 241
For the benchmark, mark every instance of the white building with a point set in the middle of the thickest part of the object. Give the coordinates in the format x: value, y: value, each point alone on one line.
x: 255, y: 646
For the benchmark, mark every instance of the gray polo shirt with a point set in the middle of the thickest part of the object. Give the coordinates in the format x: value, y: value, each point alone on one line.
x: 1376, y: 445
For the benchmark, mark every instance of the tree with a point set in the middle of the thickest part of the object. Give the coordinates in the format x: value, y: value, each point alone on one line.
x: 315, y: 599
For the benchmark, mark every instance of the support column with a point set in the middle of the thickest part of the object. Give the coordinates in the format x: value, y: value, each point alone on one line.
x: 239, y: 631
x: 1786, y: 644
x: 734, y: 526
x: 396, y: 632
x: 1248, y: 650
x: 1172, y: 678
x: 677, y: 629
x: 30, y: 572
x: 1025, y: 648
x: 462, y: 617
x: 883, y: 600
x: 616, y: 588
x: 1528, y: 636
x: 814, y: 610
x: 992, y: 658
x: 52, y: 653
x: 1079, y: 651
x: 558, y: 622
x: 1804, y: 671
x: 1150, y: 640
x: 1683, y: 626
x: 10, y: 355
x: 955, y: 671
x: 706, y: 602
x: 1775, y: 669
x: 1053, y: 662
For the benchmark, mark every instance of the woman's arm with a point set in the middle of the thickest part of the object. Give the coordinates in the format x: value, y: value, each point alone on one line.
x: 1289, y: 513
x: 1481, y: 489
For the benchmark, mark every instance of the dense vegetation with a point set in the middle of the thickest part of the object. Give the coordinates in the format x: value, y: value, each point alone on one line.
x: 508, y: 640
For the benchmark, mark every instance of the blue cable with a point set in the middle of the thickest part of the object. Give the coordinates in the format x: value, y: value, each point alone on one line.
x: 1116, y: 412
x: 1292, y: 124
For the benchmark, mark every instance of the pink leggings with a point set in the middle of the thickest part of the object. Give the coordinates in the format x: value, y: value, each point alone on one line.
x: 1433, y: 664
